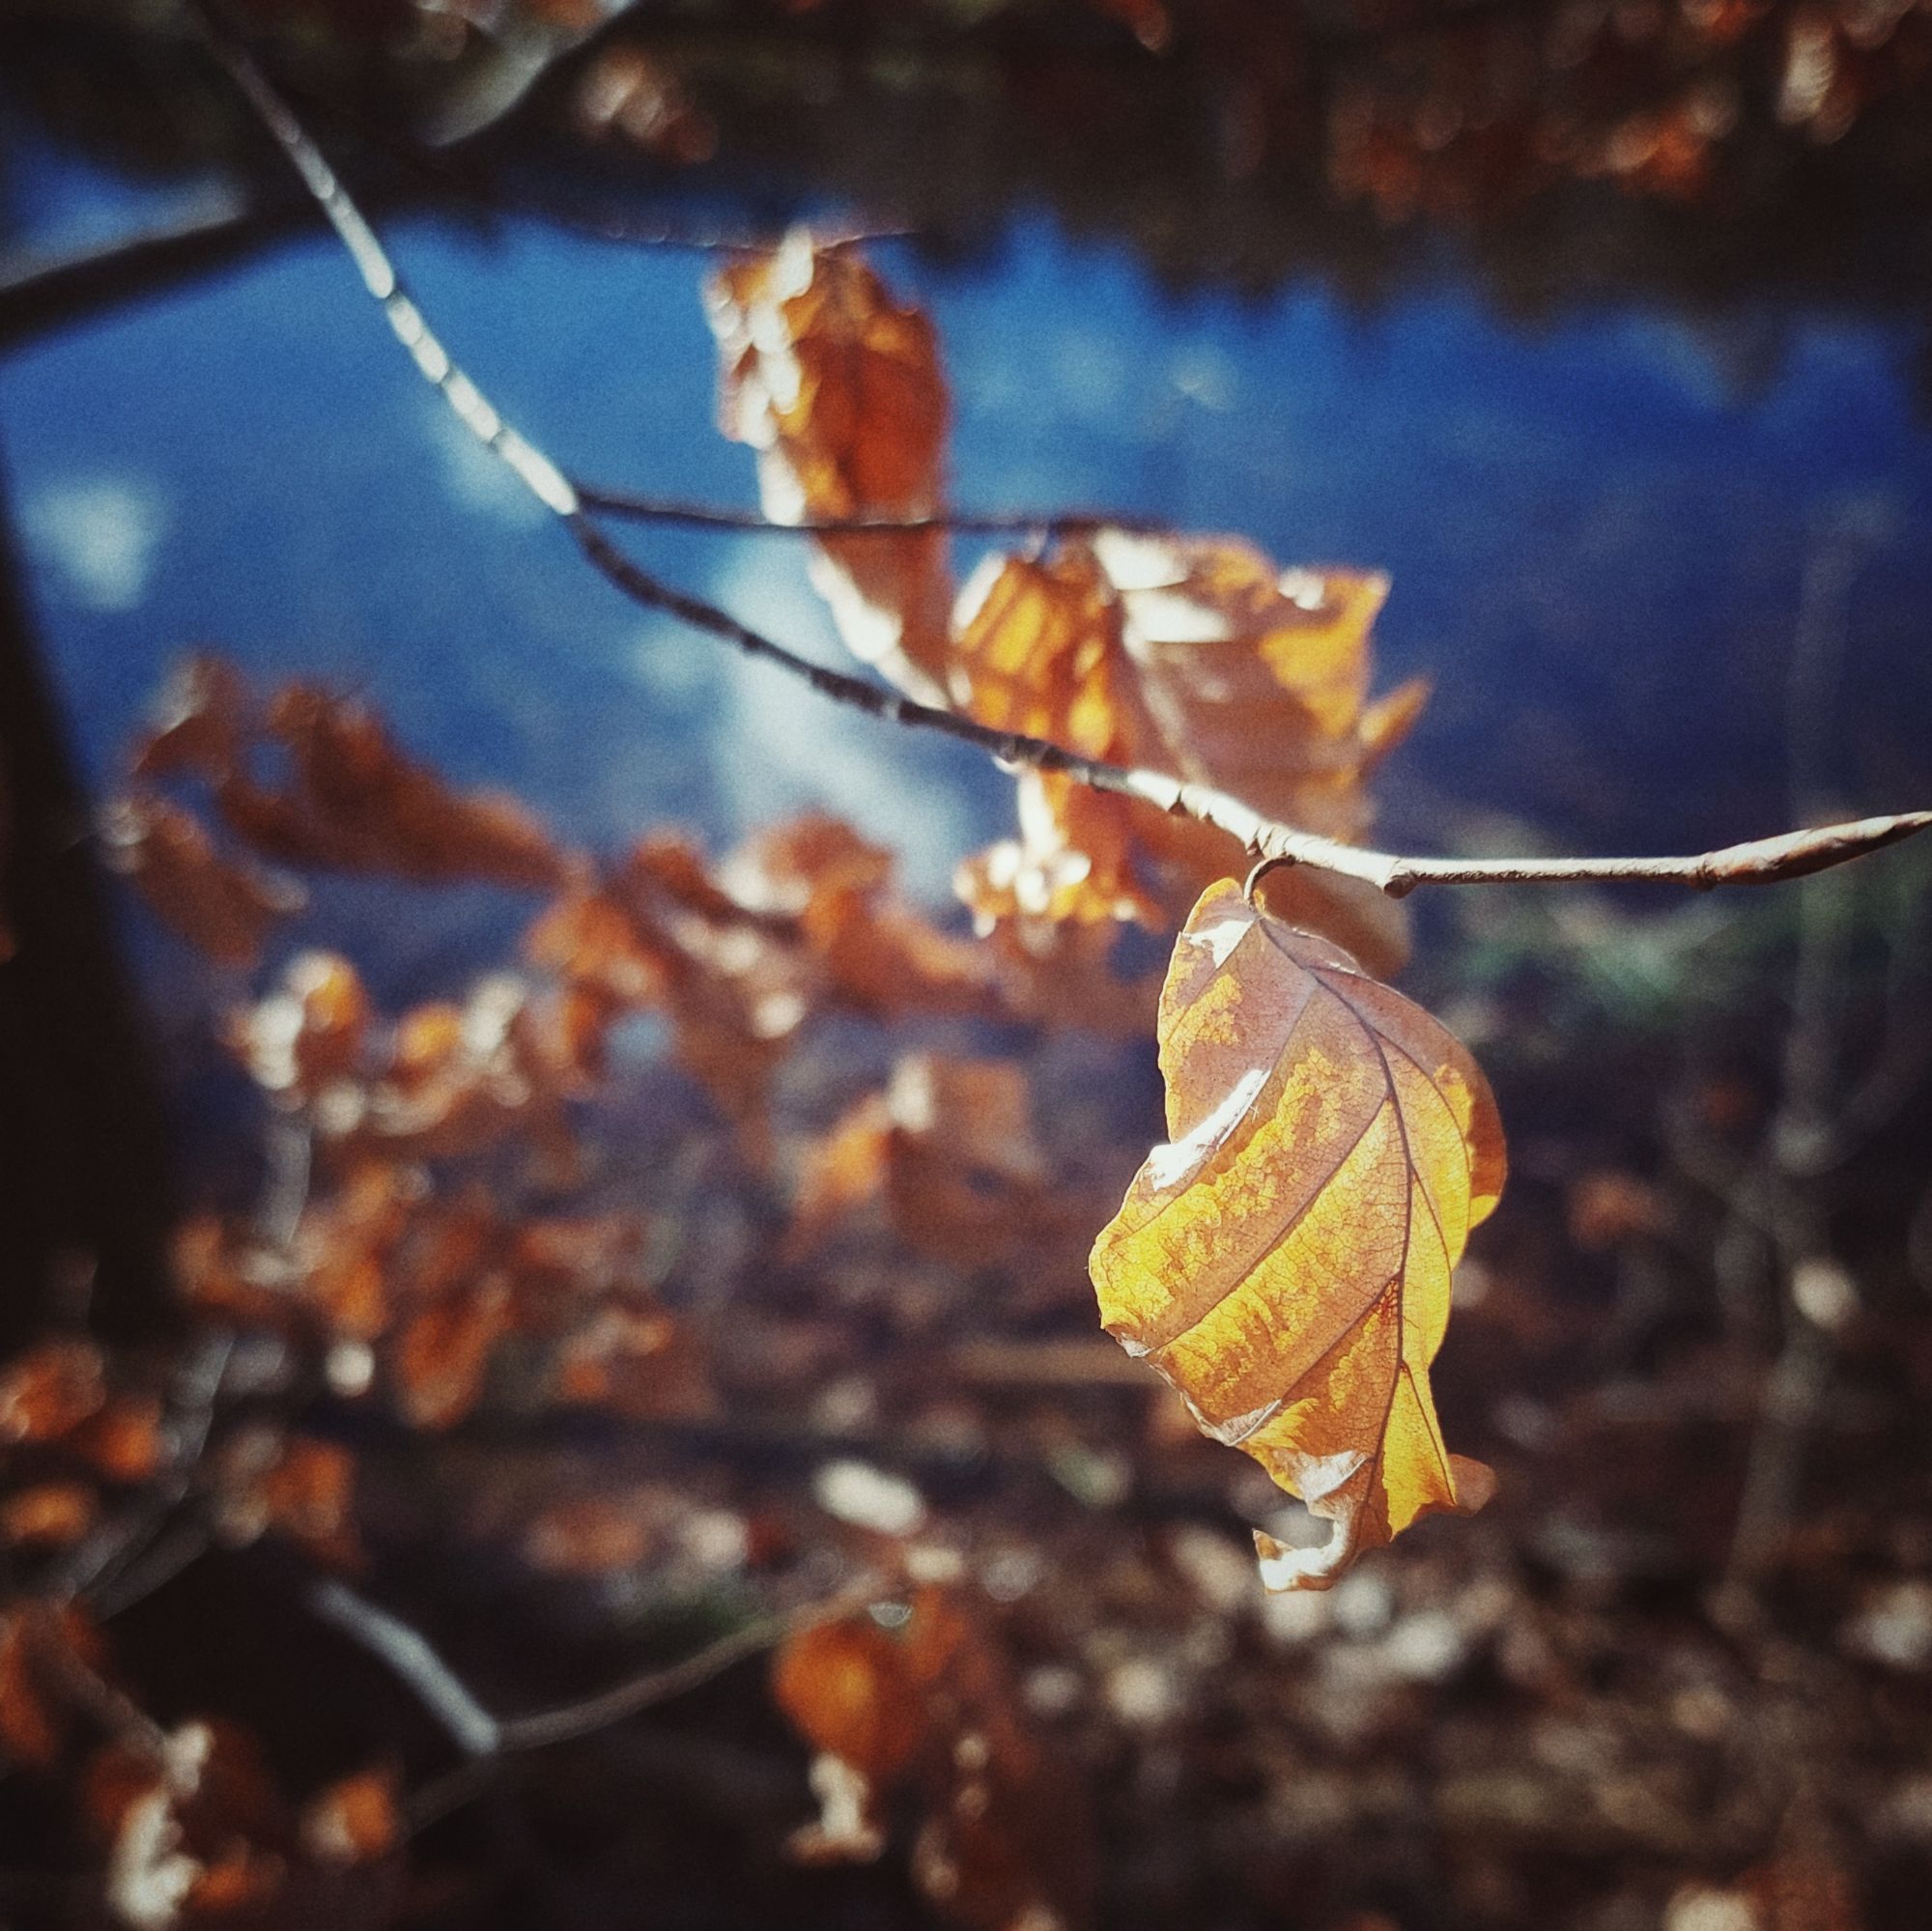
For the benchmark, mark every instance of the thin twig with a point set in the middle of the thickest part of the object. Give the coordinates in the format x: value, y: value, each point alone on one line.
x: 1760, y: 861
x: 39, y: 293
x: 99, y: 1563
x: 630, y: 506
x: 412, y: 1656
x: 479, y: 1734
x: 485, y: 1739
x: 569, y: 1721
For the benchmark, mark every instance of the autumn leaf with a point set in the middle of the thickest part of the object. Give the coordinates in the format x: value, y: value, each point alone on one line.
x: 355, y: 1820
x: 1004, y: 1839
x: 309, y: 1034
x: 1194, y: 657
x: 297, y: 1487
x: 353, y: 801
x: 950, y: 1148
x: 1285, y: 1259
x: 876, y: 953
x: 219, y: 904
x: 1197, y: 658
x: 44, y: 1652
x: 839, y: 388
x: 314, y: 779
x: 48, y: 1514
x: 58, y: 1395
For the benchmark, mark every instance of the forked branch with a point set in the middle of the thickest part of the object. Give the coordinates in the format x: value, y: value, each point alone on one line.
x: 1762, y: 861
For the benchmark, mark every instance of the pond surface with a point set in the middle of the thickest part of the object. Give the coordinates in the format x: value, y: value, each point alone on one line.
x: 1601, y: 531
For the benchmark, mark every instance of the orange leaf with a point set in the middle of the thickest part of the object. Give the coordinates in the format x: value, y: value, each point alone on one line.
x: 50, y: 1390
x: 220, y: 906
x: 310, y: 1033
x: 839, y: 390
x: 353, y: 801
x: 847, y: 1688
x: 42, y: 1651
x: 50, y: 1513
x: 950, y: 1146
x: 1285, y: 1259
x: 1199, y: 659
x: 1005, y: 1836
x: 443, y: 1352
x: 355, y: 1820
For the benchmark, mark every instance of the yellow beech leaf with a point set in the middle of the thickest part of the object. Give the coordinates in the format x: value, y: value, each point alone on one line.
x: 1283, y: 1260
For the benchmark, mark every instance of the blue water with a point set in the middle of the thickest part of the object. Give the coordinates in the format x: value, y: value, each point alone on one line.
x: 1598, y: 531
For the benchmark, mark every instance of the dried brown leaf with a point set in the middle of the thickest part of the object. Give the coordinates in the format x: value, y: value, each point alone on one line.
x: 930, y: 1707
x: 1193, y: 657
x: 223, y: 907
x: 352, y: 800
x: 839, y: 389
x: 1285, y: 1259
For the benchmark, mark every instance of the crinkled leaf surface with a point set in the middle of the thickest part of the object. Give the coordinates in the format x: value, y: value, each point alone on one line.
x: 1285, y: 1259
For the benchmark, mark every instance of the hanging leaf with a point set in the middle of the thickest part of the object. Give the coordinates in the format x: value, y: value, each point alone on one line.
x: 839, y: 388
x: 1285, y: 1259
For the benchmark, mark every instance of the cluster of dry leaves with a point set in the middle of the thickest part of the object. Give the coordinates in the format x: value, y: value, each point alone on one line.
x: 1445, y: 113
x: 534, y: 1326
x: 1660, y: 100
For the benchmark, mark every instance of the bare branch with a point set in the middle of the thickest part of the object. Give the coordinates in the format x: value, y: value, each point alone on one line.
x: 410, y: 1655
x: 1761, y: 862
x: 477, y: 1733
x: 97, y: 1564
x: 485, y: 1740
x: 569, y: 1721
x: 629, y: 506
x: 43, y: 292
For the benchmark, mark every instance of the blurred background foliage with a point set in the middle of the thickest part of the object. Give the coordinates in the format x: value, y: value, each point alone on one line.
x: 1603, y: 327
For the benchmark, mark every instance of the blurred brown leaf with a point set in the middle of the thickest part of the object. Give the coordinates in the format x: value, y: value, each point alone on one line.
x: 930, y: 1707
x: 44, y: 1652
x: 222, y: 906
x: 839, y: 389
x: 343, y: 796
x: 950, y: 1148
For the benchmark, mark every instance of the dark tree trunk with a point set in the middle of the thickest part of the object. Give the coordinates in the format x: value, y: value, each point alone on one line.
x: 84, y: 1187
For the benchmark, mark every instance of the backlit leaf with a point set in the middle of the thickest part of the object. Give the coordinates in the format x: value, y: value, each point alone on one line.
x: 1199, y: 659
x: 1285, y: 1259
x: 839, y: 388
